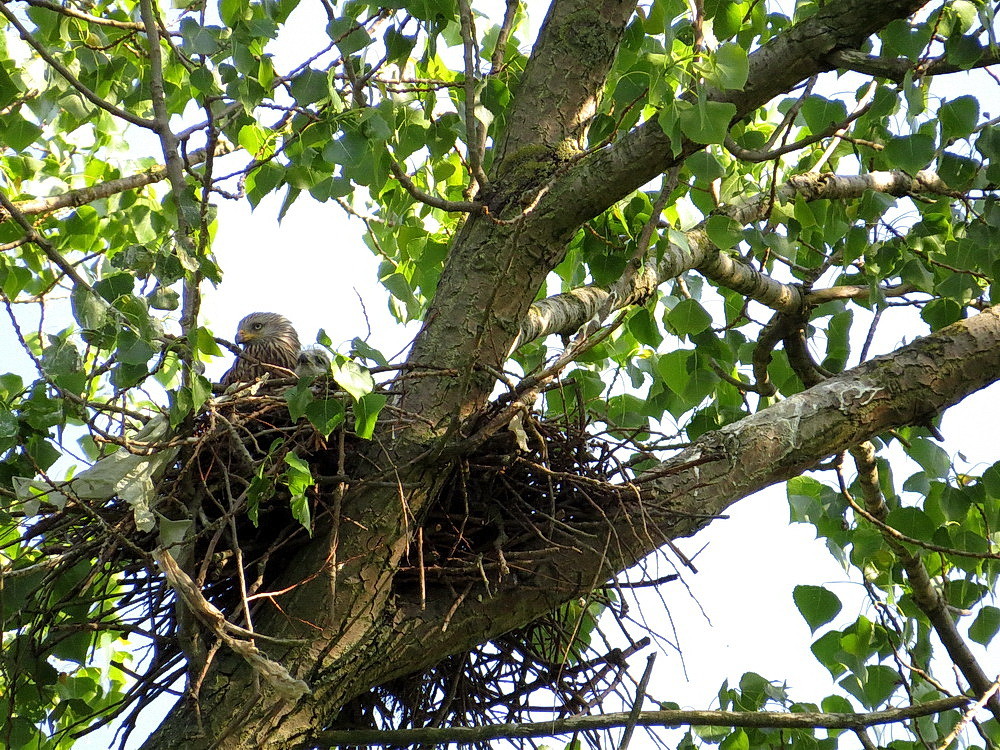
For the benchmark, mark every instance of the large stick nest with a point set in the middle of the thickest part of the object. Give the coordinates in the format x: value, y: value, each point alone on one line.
x: 225, y: 492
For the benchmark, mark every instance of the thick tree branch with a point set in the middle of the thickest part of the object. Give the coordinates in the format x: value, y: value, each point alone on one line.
x: 815, y: 186
x: 346, y: 624
x: 677, y: 499
x: 562, y: 82
x: 789, y: 58
x: 492, y: 275
x: 685, y: 493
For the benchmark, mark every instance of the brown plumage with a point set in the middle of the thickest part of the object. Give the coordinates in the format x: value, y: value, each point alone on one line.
x: 268, y: 342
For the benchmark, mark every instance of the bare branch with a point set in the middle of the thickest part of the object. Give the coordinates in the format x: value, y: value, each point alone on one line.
x: 509, y: 16
x: 475, y: 131
x: 564, y: 313
x: 74, y: 13
x: 33, y: 235
x: 969, y: 715
x: 765, y: 719
x: 175, y: 175
x: 746, y: 154
x: 434, y: 201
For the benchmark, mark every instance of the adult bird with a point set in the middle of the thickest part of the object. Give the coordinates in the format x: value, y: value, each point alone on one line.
x: 269, y: 342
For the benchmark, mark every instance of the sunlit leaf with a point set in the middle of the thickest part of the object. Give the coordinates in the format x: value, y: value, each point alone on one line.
x: 817, y: 605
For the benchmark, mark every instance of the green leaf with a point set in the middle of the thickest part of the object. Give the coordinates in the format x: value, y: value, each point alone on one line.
x: 207, y: 343
x: 42, y: 452
x: 163, y: 298
x: 642, y: 325
x: 9, y: 429
x: 731, y: 67
x: 13, y: 279
x: 18, y: 133
x: 298, y: 397
x: 310, y: 86
x: 199, y: 39
x: 201, y: 391
x: 939, y: 313
x: 723, y: 232
x: 912, y: 522
x: 985, y: 626
x: 133, y: 350
x: 911, y: 153
x: 817, y: 605
x: 687, y: 318
x: 257, y: 141
x: 348, y: 34
x: 958, y: 118
x: 836, y: 704
x: 963, y: 51
x: 705, y: 167
x: 233, y: 11
x: 89, y: 310
x: 873, y: 686
x: 738, y: 740
x: 366, y: 412
x: 820, y: 113
x: 298, y: 479
x: 707, y: 121
x: 364, y: 350
x: 932, y: 457
x: 301, y: 512
x: 352, y: 377
x: 326, y: 414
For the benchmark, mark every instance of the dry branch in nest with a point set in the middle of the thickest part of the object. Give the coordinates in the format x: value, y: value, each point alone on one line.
x: 225, y: 531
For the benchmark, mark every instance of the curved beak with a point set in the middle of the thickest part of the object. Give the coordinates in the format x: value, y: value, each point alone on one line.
x: 244, y: 337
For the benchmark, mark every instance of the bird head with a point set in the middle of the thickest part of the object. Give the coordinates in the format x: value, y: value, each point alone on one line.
x: 313, y: 362
x: 263, y: 327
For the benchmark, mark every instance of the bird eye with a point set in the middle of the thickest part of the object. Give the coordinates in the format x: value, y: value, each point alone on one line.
x: 258, y: 326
